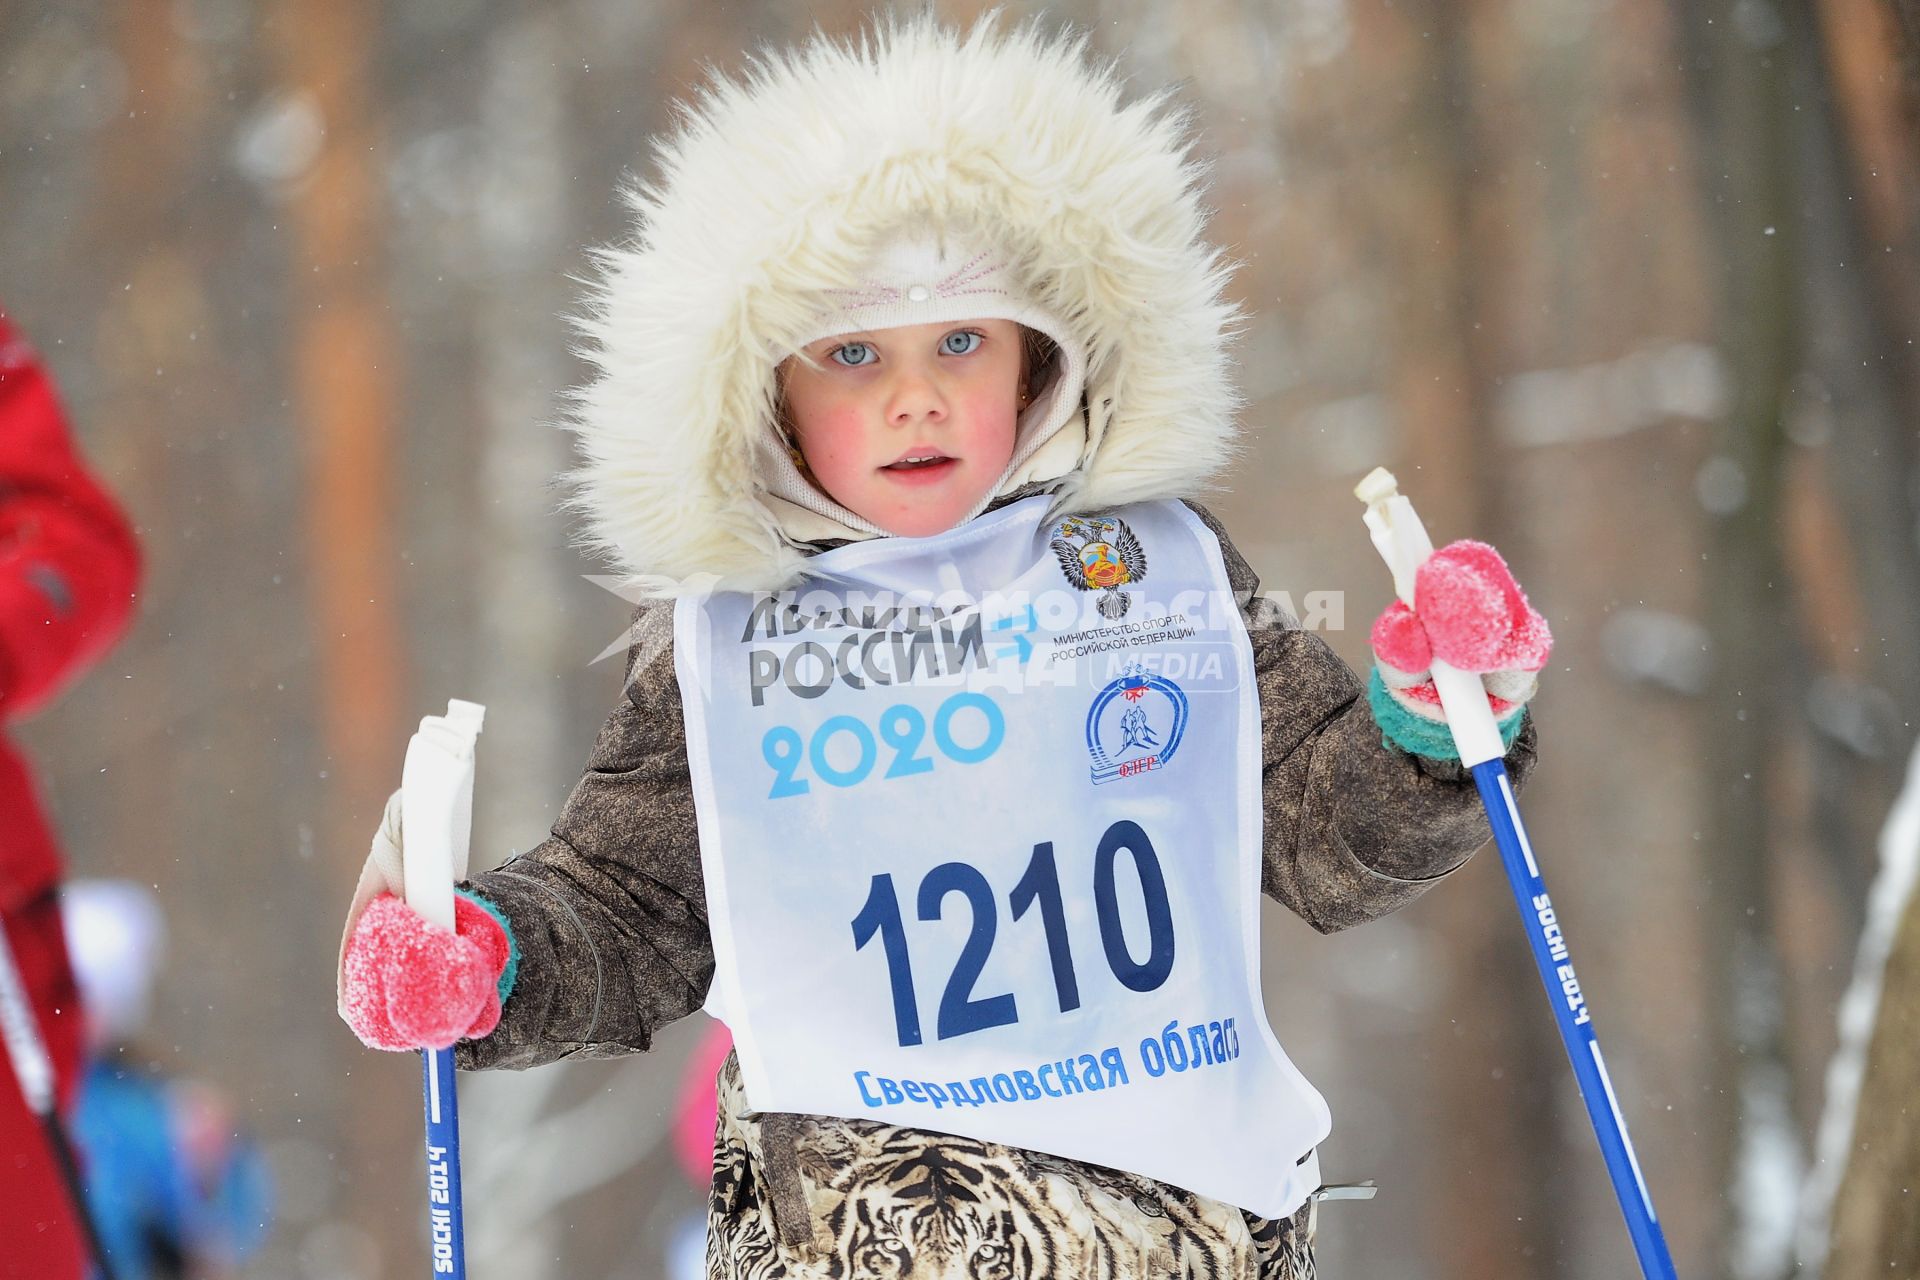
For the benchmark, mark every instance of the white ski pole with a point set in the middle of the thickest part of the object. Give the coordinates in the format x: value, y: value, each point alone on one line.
x: 1403, y: 543
x: 436, y: 798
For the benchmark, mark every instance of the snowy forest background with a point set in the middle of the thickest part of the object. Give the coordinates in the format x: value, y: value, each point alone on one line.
x: 1626, y: 287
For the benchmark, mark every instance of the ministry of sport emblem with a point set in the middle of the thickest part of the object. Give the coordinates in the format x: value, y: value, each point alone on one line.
x: 1135, y: 724
x: 1101, y: 555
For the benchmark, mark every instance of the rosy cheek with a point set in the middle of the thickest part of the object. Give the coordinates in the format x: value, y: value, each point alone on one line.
x: 991, y: 416
x: 842, y: 435
x: 831, y: 432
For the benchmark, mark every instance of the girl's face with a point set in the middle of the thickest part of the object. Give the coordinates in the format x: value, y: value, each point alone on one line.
x: 908, y: 427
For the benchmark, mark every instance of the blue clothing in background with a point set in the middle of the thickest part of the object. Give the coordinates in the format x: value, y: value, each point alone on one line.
x: 163, y: 1197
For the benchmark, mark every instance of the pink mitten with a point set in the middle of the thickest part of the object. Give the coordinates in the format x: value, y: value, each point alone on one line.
x: 1468, y: 612
x: 412, y: 985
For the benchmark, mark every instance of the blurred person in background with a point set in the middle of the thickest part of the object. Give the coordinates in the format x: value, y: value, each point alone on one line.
x: 69, y: 565
x: 695, y: 1117
x: 174, y: 1189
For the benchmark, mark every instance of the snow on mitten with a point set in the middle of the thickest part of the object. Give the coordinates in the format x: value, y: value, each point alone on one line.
x: 1468, y: 612
x: 409, y: 984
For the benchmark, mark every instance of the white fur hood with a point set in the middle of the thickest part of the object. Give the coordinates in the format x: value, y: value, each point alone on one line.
x: 777, y: 185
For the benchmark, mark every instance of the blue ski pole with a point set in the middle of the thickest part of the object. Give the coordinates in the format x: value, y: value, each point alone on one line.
x: 437, y: 813
x: 1403, y: 543
x: 446, y: 1224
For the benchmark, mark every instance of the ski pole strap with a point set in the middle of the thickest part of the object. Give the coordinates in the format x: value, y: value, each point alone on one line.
x: 1554, y: 959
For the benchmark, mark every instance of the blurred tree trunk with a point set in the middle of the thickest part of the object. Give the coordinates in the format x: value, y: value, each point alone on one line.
x: 344, y: 351
x: 1498, y: 1118
x: 1860, y: 343
x: 143, y: 159
x: 539, y: 1157
x: 1738, y: 83
x: 1906, y: 14
x: 1859, y: 1218
x: 1857, y: 203
x: 1876, y: 1216
x: 1851, y: 513
x: 518, y: 573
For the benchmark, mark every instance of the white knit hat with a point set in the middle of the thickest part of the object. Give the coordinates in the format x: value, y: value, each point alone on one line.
x: 920, y: 276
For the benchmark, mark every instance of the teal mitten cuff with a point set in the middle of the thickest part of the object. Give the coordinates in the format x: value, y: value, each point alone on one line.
x: 1420, y: 736
x: 511, y: 973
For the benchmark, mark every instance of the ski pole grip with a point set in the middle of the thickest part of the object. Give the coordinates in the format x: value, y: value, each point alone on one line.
x: 1402, y: 541
x: 436, y: 807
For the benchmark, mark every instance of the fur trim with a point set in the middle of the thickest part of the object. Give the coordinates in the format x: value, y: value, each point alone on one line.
x: 776, y: 186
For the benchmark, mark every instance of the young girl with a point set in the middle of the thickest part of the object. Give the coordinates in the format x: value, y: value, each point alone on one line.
x: 958, y: 746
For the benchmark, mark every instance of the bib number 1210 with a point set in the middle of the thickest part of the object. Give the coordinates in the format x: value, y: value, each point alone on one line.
x: 960, y: 1010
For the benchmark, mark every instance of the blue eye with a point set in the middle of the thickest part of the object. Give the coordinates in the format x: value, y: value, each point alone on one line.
x: 961, y: 342
x: 853, y: 354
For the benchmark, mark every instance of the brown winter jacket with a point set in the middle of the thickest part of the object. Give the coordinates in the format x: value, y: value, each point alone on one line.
x: 611, y: 921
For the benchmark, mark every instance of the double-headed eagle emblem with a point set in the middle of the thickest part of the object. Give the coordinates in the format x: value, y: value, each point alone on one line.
x: 1100, y: 555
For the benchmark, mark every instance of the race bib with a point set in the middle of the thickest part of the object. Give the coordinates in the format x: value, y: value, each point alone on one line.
x: 980, y: 820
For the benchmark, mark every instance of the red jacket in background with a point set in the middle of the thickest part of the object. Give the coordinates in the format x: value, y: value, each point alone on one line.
x: 68, y: 568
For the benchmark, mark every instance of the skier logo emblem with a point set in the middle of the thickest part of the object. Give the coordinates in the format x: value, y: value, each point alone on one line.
x: 1100, y: 555
x: 1135, y: 724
